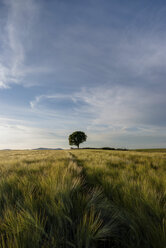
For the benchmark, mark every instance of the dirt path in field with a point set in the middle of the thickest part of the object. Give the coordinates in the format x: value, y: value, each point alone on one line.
x: 76, y: 166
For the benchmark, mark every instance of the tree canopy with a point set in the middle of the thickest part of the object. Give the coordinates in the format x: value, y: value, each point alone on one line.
x: 77, y: 138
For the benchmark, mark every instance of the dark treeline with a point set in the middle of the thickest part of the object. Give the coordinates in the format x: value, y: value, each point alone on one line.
x: 104, y: 148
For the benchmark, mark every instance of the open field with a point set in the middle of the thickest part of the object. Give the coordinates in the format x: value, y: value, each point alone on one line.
x: 83, y: 199
x: 152, y: 150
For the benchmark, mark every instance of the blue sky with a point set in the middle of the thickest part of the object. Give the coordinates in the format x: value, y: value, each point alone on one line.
x: 96, y: 66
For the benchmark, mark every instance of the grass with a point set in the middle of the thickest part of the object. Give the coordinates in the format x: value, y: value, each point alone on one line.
x: 83, y: 199
x: 159, y: 150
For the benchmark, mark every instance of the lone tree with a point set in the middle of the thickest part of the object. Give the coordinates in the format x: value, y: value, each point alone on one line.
x: 77, y: 138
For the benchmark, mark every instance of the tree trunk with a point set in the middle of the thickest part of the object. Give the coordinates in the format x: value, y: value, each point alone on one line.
x: 78, y: 146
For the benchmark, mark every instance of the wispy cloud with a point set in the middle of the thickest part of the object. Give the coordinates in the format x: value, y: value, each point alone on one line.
x: 41, y: 98
x: 117, y: 108
x: 16, y: 36
x: 123, y: 106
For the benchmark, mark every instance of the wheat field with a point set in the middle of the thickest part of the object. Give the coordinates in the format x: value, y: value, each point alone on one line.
x: 83, y: 199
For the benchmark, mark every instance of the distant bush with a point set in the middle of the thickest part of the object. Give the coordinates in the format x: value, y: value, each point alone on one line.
x: 122, y: 149
x: 107, y: 148
x: 104, y: 148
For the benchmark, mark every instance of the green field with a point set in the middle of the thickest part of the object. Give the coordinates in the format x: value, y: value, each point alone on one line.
x: 83, y: 199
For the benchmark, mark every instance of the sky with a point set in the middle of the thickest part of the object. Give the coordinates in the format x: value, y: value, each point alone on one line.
x: 97, y: 66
